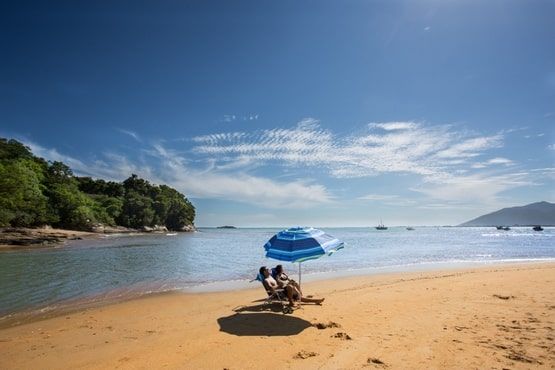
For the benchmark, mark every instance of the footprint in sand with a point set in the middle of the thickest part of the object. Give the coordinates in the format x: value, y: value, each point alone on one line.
x: 304, y: 354
x: 342, y: 336
x: 329, y: 324
x: 376, y: 362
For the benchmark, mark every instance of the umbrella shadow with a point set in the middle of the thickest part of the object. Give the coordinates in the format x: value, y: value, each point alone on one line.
x: 262, y: 324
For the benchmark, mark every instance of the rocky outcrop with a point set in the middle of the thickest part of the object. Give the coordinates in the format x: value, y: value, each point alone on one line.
x: 106, y: 229
x: 25, y: 237
x: 188, y: 228
x: 154, y: 229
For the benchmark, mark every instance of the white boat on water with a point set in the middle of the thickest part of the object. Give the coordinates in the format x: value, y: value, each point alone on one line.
x: 381, y: 226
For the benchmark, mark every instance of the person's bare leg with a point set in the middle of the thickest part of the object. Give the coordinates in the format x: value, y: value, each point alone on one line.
x: 297, y: 286
x: 290, y: 291
x: 312, y: 300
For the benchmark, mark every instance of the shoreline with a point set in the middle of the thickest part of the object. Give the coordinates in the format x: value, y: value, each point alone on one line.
x: 60, y: 308
x: 489, y: 317
x: 64, y: 307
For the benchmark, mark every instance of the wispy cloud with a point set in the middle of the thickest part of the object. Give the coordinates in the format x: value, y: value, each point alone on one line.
x: 173, y: 169
x: 235, y: 117
x: 390, y: 126
x: 378, y: 197
x: 492, y: 162
x: 446, y: 163
x: 446, y: 159
x: 385, y: 147
x: 132, y: 134
x: 229, y: 118
x: 475, y: 188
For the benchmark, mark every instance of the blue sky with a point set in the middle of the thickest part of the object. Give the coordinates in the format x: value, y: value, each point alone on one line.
x: 293, y: 112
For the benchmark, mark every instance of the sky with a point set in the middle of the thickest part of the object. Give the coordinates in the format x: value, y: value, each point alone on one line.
x: 283, y: 113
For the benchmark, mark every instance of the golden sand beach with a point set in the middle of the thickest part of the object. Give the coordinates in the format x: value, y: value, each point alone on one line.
x: 495, y: 317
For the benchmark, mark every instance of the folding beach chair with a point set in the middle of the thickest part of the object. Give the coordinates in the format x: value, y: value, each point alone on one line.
x: 277, y: 296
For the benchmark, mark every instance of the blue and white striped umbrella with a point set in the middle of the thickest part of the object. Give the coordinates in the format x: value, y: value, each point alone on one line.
x: 299, y: 244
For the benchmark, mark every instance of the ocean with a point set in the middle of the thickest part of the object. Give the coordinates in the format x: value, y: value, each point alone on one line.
x: 118, y: 267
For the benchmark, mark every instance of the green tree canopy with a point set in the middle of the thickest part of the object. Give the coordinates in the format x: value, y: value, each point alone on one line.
x: 35, y: 192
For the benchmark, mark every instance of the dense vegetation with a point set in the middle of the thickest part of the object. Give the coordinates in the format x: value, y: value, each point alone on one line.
x: 35, y: 192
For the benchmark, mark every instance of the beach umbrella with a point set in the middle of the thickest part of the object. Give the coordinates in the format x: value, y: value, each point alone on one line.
x: 299, y: 244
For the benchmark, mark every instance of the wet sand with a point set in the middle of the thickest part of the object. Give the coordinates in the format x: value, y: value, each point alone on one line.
x: 493, y: 317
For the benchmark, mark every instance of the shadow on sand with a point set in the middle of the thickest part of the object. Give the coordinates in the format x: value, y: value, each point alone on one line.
x: 262, y: 324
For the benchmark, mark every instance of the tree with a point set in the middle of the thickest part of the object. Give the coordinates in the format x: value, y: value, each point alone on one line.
x: 34, y: 192
x: 22, y: 202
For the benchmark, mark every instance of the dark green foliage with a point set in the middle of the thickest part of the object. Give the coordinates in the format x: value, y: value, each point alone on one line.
x: 22, y: 202
x: 35, y: 192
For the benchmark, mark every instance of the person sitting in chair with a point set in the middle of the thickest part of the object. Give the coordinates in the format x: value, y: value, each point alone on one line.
x: 284, y: 280
x: 270, y: 284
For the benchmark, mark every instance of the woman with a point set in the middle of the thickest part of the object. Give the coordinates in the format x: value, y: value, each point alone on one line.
x: 284, y: 280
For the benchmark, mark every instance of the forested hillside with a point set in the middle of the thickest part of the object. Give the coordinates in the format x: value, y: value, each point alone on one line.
x: 35, y: 192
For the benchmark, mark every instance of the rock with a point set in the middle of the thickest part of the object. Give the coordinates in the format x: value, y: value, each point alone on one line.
x: 189, y: 228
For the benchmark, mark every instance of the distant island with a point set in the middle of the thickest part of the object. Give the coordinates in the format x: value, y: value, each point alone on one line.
x: 37, y: 193
x: 540, y: 213
x: 226, y: 227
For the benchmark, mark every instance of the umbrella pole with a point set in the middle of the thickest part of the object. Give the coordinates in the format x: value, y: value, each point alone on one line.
x: 299, y: 274
x: 300, y: 288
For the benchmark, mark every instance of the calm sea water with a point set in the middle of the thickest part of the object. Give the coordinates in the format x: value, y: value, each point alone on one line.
x: 221, y: 259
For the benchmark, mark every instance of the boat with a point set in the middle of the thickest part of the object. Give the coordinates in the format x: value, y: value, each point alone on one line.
x: 381, y: 226
x: 499, y: 227
x: 537, y: 228
x: 410, y: 228
x: 506, y: 228
x: 171, y: 234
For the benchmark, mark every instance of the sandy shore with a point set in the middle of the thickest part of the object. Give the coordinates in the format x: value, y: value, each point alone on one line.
x: 488, y: 318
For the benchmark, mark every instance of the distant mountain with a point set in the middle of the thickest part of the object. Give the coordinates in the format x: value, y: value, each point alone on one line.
x: 540, y: 213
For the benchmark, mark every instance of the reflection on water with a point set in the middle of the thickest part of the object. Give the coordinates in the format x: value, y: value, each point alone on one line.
x: 130, y: 265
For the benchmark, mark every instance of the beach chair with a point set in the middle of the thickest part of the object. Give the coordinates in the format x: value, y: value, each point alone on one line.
x: 278, y: 296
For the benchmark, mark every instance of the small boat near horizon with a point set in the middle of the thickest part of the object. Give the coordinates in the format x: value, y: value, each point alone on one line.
x: 537, y: 228
x: 410, y: 228
x: 381, y: 226
x: 506, y: 228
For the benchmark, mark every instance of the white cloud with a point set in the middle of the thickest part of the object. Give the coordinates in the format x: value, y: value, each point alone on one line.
x: 53, y: 155
x: 493, y: 161
x: 449, y: 163
x: 407, y: 147
x: 471, y: 147
x: 475, y: 188
x: 551, y: 147
x: 229, y: 118
x: 390, y: 126
x: 234, y: 117
x: 500, y: 160
x: 172, y: 168
x: 132, y: 134
x: 378, y: 197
